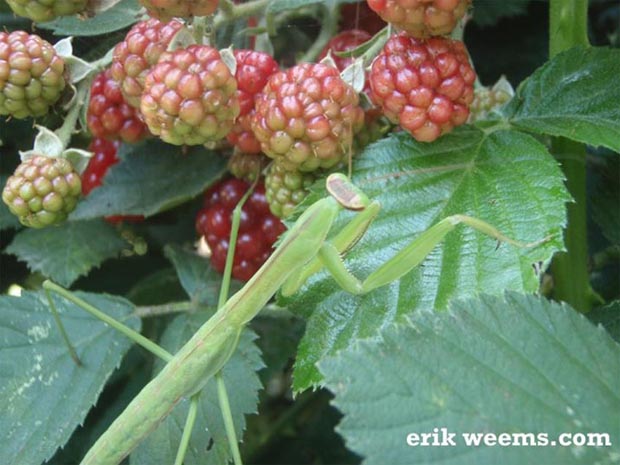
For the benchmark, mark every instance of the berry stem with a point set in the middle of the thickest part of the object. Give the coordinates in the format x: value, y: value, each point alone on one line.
x: 65, y: 132
x: 124, y: 329
x: 568, y: 28
x: 234, y: 233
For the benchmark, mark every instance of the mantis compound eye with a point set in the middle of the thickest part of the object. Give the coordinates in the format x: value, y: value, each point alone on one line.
x: 345, y: 192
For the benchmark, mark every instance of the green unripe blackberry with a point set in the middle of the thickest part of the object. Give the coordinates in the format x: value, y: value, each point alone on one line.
x: 286, y: 189
x: 31, y: 75
x: 46, y: 10
x: 42, y: 191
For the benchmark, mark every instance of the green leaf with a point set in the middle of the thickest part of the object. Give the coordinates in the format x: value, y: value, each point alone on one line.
x: 609, y: 318
x: 505, y: 178
x: 490, y: 12
x: 200, y: 281
x: 151, y: 178
x: 66, y: 252
x: 575, y: 95
x: 43, y: 393
x: 517, y: 364
x: 242, y: 384
x: 7, y: 219
x: 121, y: 15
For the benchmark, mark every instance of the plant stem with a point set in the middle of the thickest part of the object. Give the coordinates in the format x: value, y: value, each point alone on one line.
x: 329, y: 26
x: 190, y: 421
x: 568, y: 28
x: 222, y: 395
x: 62, y: 330
x: 231, y: 12
x: 232, y: 244
x: 124, y: 329
x: 65, y: 132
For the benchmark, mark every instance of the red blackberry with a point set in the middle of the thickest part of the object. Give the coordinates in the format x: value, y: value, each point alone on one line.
x: 253, y: 70
x: 258, y: 229
x: 426, y: 86
x: 421, y: 18
x: 190, y: 97
x: 109, y: 115
x: 141, y: 49
x: 306, y: 117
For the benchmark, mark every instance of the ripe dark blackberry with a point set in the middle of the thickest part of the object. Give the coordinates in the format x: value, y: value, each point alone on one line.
x: 258, y: 229
x: 190, y: 97
x: 306, y: 117
x: 421, y: 18
x: 31, y: 75
x: 42, y: 191
x: 109, y: 115
x: 253, y: 70
x: 138, y: 52
x: 426, y: 86
x: 104, y: 156
x: 286, y: 189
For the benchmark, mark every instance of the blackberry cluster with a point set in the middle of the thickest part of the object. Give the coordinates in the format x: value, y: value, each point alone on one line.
x: 258, y: 229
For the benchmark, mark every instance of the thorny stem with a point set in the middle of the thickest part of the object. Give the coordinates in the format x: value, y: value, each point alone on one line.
x: 124, y: 329
x: 61, y: 328
x: 568, y: 28
x: 192, y: 413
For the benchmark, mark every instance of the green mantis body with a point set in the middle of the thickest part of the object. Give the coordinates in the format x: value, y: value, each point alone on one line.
x: 304, y: 251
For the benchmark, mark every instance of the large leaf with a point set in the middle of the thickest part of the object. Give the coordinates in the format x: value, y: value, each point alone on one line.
x: 209, y: 444
x: 516, y: 365
x: 575, y: 95
x: 609, y: 318
x: 121, y: 15
x: 505, y: 178
x: 66, y: 252
x: 151, y: 178
x: 43, y: 393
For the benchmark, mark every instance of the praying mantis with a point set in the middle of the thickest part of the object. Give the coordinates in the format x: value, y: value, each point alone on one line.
x: 304, y: 250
